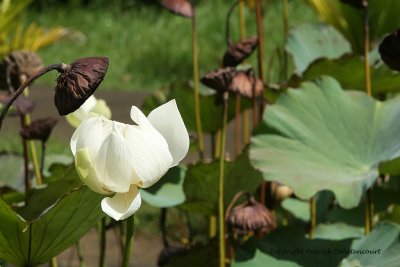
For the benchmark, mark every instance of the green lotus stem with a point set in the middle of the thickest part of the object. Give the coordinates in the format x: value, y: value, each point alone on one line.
x: 35, y: 161
x: 217, y: 152
x: 102, y: 241
x: 285, y: 15
x: 246, y: 126
x: 163, y: 226
x: 313, y: 216
x: 260, y: 50
x: 130, y: 227
x: 54, y: 262
x: 221, y: 217
x: 26, y: 162
x: 80, y: 254
x: 42, y: 158
x: 197, y: 108
x: 213, y: 226
x: 369, y: 213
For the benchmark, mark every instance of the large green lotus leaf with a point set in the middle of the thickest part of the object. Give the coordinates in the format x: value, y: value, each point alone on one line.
x: 325, y: 138
x: 311, y: 41
x: 63, y: 179
x: 28, y: 243
x: 300, y: 209
x: 337, y: 231
x: 349, y: 71
x: 211, y: 114
x: 261, y: 259
x: 383, y: 18
x: 379, y: 249
x: 289, y: 244
x: 167, y: 192
x: 201, y: 183
x: 382, y: 199
x: 12, y: 171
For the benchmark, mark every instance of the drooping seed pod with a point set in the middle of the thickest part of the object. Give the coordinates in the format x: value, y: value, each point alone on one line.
x: 360, y: 4
x: 39, y: 129
x: 22, y: 104
x: 180, y: 7
x: 220, y: 79
x: 389, y: 49
x: 238, y: 52
x: 246, y: 84
x: 251, y: 216
x: 77, y: 82
x: 17, y: 65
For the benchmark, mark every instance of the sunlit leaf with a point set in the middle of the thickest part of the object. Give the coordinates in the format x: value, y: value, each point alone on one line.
x: 309, y: 42
x: 167, y: 192
x: 12, y: 171
x: 379, y: 249
x: 327, y: 138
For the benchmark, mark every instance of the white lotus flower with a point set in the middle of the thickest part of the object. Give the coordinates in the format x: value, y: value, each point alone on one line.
x: 92, y: 104
x: 113, y: 157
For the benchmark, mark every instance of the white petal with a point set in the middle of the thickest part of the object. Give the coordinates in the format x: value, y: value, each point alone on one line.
x: 139, y: 118
x: 87, y: 173
x: 168, y: 121
x: 122, y: 205
x: 102, y: 109
x: 91, y: 134
x: 114, y: 162
x: 150, y: 154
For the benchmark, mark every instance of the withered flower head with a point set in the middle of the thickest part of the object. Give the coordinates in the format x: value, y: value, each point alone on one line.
x: 39, y: 129
x: 77, y: 82
x: 246, y: 84
x: 251, y: 216
x: 360, y: 4
x: 17, y: 65
x: 23, y: 104
x: 238, y: 52
x: 390, y: 50
x: 220, y: 79
x: 180, y: 7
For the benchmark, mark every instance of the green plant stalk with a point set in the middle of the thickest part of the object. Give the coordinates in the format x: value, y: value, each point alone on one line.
x: 197, y: 108
x: 26, y: 161
x: 80, y: 254
x: 213, y: 227
x: 130, y: 227
x: 102, y: 242
x: 285, y: 15
x: 221, y: 217
x: 246, y: 126
x: 257, y: 112
x: 34, y: 156
x: 369, y: 213
x: 313, y: 216
x: 54, y: 262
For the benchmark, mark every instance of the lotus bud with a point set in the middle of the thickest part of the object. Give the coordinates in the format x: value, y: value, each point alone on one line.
x: 180, y: 7
x: 39, y: 129
x: 238, y: 52
x: 77, y: 82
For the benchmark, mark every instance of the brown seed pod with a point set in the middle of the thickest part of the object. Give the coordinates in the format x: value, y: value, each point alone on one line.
x: 360, y: 4
x: 246, y: 84
x: 389, y: 49
x: 77, y: 82
x: 16, y: 65
x: 39, y: 129
x: 180, y: 7
x: 23, y: 104
x: 238, y: 52
x: 220, y: 79
x: 251, y: 216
